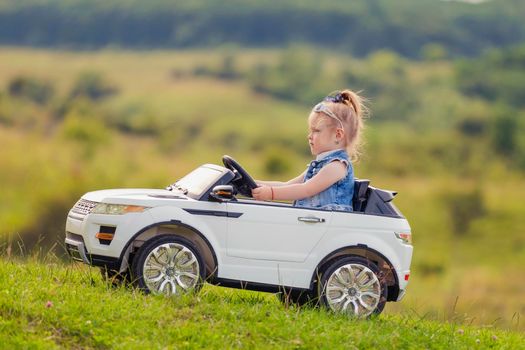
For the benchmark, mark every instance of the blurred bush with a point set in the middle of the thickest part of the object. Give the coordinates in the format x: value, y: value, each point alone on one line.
x: 92, y: 85
x: 32, y: 89
x: 504, y: 133
x: 135, y: 118
x: 180, y: 136
x: 496, y: 76
x: 472, y: 126
x: 276, y: 161
x: 427, y: 269
x: 296, y: 77
x: 434, y: 52
x: 464, y: 205
x: 45, y: 228
x: 89, y: 133
x: 5, y: 117
x: 226, y: 70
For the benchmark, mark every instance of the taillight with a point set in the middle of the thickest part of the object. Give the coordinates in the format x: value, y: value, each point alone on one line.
x: 405, y: 237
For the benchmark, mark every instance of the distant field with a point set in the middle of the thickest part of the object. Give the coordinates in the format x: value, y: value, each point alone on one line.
x: 467, y: 267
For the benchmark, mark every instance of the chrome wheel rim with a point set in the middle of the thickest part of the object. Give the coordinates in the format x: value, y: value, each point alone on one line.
x: 171, y: 268
x: 353, y: 289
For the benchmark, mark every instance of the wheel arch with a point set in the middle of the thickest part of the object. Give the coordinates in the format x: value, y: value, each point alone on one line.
x: 386, y: 268
x: 174, y: 227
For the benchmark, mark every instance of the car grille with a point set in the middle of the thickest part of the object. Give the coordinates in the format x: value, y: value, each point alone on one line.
x: 75, y: 246
x: 83, y: 207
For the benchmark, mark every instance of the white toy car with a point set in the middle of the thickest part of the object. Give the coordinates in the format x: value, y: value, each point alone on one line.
x: 197, y: 230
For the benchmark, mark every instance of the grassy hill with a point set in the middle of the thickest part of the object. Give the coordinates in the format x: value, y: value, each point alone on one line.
x: 72, y: 122
x: 51, y: 305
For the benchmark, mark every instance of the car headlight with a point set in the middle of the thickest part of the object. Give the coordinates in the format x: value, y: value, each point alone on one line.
x: 117, y: 209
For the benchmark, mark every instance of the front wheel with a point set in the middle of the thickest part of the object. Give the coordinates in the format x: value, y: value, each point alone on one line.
x: 353, y: 285
x: 169, y: 265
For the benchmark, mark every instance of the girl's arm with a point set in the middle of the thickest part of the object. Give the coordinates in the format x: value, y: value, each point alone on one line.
x: 295, y: 180
x: 329, y: 174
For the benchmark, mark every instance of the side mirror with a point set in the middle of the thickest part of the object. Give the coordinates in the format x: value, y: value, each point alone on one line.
x: 222, y: 193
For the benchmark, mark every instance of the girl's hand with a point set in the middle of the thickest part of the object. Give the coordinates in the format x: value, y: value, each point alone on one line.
x: 262, y: 193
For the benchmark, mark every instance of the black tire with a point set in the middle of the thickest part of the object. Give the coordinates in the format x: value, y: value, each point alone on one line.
x: 172, y: 276
x: 344, y: 289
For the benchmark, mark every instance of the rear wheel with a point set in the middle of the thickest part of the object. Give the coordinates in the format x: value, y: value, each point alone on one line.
x: 353, y: 285
x: 169, y: 265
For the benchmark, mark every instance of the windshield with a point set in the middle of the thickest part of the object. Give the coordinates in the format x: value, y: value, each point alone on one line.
x: 196, y: 182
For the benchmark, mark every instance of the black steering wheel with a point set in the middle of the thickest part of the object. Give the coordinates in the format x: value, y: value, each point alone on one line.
x: 243, y: 181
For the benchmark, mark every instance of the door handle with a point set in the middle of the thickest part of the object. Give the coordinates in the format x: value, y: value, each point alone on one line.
x: 311, y: 219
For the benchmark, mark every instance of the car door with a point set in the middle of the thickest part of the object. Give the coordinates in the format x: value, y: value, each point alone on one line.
x: 273, y: 232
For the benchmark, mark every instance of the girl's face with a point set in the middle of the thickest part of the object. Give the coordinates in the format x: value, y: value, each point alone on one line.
x: 322, y: 135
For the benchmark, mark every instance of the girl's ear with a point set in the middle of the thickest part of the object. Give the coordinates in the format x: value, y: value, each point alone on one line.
x: 339, y: 133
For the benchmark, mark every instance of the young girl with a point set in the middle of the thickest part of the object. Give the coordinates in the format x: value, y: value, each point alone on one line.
x: 335, y: 126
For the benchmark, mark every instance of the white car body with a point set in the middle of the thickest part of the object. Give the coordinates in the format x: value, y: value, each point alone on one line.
x: 245, y: 243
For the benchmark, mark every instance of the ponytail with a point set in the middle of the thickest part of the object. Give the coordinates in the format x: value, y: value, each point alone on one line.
x: 350, y: 109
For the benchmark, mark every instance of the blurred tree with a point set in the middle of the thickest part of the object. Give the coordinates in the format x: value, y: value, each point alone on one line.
x: 472, y: 126
x: 4, y: 115
x: 473, y: 119
x: 498, y: 75
x: 92, y: 85
x: 464, y: 206
x: 383, y: 79
x: 365, y: 26
x: 298, y: 76
x: 434, y: 52
x: 45, y: 229
x: 387, y: 62
x: 89, y: 133
x: 504, y: 132
x: 202, y: 70
x: 228, y: 69
x: 32, y: 89
x: 136, y: 118
x: 275, y: 162
x: 259, y: 76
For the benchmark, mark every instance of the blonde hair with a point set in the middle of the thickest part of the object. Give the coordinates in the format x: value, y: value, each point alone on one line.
x: 350, y: 109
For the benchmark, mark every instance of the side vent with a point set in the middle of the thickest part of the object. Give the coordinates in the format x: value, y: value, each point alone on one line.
x: 105, y: 234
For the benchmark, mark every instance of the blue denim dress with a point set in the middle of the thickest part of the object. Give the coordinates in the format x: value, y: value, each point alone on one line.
x: 339, y: 195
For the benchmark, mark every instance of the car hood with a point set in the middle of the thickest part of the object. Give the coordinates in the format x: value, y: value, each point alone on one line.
x: 133, y: 196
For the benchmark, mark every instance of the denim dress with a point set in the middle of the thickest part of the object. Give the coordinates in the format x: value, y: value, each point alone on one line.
x: 339, y: 195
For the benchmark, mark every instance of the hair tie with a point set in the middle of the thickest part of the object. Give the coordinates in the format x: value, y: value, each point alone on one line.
x: 337, y: 98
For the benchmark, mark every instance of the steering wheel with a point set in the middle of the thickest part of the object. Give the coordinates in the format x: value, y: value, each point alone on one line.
x: 243, y: 181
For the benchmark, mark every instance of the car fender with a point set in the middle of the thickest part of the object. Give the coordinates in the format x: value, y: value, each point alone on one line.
x: 126, y: 226
x: 169, y: 214
x: 381, y: 242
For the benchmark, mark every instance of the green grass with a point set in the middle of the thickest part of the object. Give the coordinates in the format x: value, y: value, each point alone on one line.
x: 52, y: 305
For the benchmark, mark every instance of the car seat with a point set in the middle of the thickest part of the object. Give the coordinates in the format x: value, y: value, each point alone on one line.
x: 360, y: 194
